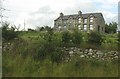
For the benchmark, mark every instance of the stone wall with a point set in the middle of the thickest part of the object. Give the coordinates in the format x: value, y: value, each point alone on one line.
x: 103, y: 55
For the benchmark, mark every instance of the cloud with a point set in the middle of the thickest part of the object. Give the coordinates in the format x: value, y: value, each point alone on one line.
x: 109, y: 17
x: 43, y: 16
x: 43, y: 12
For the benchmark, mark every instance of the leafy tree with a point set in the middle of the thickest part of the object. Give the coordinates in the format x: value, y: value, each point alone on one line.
x: 8, y: 33
x: 111, y: 27
x: 29, y: 29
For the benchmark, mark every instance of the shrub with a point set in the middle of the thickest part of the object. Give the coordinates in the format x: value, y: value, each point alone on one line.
x: 66, y: 37
x: 95, y: 38
x: 57, y: 56
x: 44, y: 50
x: 77, y: 37
x: 8, y: 33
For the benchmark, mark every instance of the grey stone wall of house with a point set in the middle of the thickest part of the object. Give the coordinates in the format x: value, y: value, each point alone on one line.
x: 83, y: 22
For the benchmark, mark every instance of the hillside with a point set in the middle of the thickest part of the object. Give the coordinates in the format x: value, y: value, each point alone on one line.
x: 48, y: 54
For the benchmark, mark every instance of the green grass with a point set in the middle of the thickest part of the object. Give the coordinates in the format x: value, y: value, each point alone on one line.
x: 77, y: 67
x: 20, y: 61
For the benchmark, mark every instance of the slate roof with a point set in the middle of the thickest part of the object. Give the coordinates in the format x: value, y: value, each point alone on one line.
x: 75, y: 16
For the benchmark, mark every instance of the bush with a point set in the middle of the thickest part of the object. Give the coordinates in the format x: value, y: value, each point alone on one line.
x: 44, y: 50
x: 66, y: 37
x: 77, y: 37
x: 95, y: 38
x: 57, y: 56
x: 8, y: 33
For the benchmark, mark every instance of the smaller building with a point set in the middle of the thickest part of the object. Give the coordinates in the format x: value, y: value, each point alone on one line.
x: 83, y: 22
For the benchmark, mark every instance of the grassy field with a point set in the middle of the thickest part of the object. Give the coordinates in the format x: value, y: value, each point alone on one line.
x: 25, y: 67
x: 20, y: 60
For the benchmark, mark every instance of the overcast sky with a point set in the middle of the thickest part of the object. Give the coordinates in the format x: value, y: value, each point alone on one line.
x: 43, y: 12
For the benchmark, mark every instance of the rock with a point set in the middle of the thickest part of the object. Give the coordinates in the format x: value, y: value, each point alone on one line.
x: 90, y: 50
x: 72, y: 48
x: 82, y: 56
x: 71, y: 52
x: 80, y: 52
x: 93, y: 56
x: 116, y: 57
x: 89, y: 53
x: 67, y: 49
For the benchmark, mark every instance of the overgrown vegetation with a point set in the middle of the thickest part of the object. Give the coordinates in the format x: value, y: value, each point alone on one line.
x: 111, y: 27
x: 39, y: 53
x: 7, y: 32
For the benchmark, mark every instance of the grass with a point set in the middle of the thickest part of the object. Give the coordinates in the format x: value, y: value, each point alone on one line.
x: 20, y: 61
x: 77, y: 67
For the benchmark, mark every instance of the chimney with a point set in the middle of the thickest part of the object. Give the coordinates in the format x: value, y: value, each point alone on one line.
x: 61, y: 14
x: 79, y: 13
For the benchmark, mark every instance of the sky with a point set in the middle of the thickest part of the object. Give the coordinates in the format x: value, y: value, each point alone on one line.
x: 43, y: 12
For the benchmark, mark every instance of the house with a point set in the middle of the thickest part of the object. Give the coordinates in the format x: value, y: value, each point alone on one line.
x: 83, y: 22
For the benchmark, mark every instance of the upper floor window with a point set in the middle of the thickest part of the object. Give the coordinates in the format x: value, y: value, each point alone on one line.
x: 71, y: 20
x: 59, y: 27
x: 85, y: 20
x: 91, y: 19
x: 91, y: 27
x: 79, y: 27
x: 64, y: 26
x: 85, y: 27
x: 65, y: 22
x: 79, y: 20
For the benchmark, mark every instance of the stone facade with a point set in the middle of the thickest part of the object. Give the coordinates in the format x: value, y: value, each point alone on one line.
x: 83, y: 22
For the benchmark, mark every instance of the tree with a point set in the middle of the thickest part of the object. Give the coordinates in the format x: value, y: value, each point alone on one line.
x: 111, y: 27
x: 8, y: 33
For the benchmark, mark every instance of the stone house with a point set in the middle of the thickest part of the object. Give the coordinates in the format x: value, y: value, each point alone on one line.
x: 83, y: 22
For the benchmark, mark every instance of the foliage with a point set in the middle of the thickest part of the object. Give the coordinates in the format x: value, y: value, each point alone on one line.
x: 8, y: 33
x: 77, y: 37
x: 40, y: 54
x: 119, y: 40
x: 66, y: 37
x: 44, y: 28
x: 29, y: 29
x: 111, y: 27
x: 57, y: 56
x: 95, y: 38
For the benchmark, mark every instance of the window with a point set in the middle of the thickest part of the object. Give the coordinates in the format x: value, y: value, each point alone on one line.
x: 91, y: 19
x: 85, y: 20
x: 64, y: 26
x: 79, y: 20
x: 59, y: 27
x: 71, y: 20
x: 85, y: 27
x: 91, y: 27
x: 65, y: 22
x: 79, y: 27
